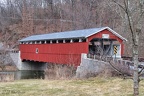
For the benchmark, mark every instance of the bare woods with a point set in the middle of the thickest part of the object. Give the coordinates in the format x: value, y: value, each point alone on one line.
x: 21, y: 18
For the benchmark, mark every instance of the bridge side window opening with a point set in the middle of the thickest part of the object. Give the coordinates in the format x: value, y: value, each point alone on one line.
x: 84, y: 40
x: 48, y: 42
x: 42, y: 42
x: 60, y: 41
x: 79, y: 40
x: 67, y: 41
x: 54, y: 41
x: 75, y: 40
x: 37, y: 50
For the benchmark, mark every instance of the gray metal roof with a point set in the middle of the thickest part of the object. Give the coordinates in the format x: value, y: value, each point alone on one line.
x: 69, y: 34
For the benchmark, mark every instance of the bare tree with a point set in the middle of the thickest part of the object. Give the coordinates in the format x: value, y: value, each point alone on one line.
x: 4, y: 58
x: 132, y: 13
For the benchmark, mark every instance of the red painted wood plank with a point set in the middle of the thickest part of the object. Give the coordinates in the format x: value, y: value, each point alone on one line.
x: 63, y: 53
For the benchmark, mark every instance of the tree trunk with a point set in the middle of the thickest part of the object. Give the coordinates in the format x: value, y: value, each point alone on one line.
x: 136, y: 62
x: 135, y: 77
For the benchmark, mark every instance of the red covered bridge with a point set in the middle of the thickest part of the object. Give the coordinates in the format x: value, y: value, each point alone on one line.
x: 66, y: 47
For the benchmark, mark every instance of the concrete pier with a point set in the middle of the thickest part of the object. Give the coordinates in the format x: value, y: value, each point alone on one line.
x: 26, y: 65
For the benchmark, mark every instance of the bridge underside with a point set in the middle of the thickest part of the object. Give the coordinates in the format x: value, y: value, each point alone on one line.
x: 27, y: 65
x: 30, y: 65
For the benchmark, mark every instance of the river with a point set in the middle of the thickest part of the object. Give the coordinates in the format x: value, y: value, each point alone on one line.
x: 26, y: 74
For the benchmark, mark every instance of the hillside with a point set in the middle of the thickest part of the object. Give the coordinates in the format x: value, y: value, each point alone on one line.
x: 22, y: 18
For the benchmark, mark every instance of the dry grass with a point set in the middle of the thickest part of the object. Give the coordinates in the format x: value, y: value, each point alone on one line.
x: 90, y: 87
x: 6, y: 77
x: 55, y: 71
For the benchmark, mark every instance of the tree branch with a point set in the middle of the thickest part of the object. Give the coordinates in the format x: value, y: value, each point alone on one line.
x: 125, y: 9
x: 140, y: 72
x: 119, y: 5
x: 115, y: 68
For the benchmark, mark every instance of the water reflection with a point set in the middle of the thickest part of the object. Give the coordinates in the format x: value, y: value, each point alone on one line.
x: 28, y: 75
x: 17, y: 75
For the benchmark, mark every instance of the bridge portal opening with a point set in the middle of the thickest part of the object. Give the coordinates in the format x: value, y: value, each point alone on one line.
x: 100, y: 46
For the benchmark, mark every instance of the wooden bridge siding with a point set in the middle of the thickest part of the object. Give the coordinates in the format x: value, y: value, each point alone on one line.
x: 62, y: 53
x: 111, y: 36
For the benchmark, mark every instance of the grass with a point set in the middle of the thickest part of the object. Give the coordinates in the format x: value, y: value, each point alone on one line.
x: 90, y: 87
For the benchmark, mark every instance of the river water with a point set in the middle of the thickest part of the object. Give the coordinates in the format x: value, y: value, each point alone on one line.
x: 24, y: 74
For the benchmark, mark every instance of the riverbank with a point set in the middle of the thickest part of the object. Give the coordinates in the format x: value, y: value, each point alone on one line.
x: 90, y: 87
x: 7, y: 73
x: 9, y: 68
